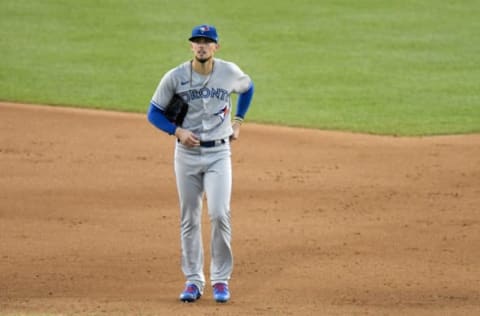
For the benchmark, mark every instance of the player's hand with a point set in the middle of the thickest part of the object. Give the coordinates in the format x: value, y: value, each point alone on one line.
x: 236, y: 131
x: 186, y: 137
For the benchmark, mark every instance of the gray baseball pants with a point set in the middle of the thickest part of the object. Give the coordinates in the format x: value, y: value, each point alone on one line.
x: 206, y: 171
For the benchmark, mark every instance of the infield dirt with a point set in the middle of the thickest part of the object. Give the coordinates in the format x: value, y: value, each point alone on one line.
x: 324, y: 223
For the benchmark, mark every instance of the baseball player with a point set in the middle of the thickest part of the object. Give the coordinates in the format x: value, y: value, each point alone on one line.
x: 202, y: 155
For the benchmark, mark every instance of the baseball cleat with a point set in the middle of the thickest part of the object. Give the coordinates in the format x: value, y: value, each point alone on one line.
x: 221, y: 294
x: 190, y: 294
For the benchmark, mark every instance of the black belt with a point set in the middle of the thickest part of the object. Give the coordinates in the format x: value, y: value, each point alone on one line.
x: 212, y: 143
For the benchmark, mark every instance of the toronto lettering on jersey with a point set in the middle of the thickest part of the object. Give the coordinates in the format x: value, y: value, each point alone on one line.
x: 204, y: 93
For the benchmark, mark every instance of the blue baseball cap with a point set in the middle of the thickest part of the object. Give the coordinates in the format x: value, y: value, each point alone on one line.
x: 206, y: 31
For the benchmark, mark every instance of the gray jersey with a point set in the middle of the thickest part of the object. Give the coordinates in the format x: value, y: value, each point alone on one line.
x: 208, y: 97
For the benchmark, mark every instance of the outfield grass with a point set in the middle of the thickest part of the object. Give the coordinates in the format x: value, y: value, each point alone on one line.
x: 387, y: 67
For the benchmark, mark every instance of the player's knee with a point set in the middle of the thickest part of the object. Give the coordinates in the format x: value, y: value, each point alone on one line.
x: 189, y: 225
x: 222, y: 217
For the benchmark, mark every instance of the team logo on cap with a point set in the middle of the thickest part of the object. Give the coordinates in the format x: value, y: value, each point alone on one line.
x: 204, y: 28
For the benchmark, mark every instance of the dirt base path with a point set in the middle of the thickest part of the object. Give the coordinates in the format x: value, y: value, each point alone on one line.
x: 324, y: 223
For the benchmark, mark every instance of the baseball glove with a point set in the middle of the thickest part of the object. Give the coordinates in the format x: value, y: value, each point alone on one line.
x: 176, y: 110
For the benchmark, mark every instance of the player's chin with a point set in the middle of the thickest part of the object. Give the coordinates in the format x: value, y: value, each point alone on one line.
x: 202, y: 59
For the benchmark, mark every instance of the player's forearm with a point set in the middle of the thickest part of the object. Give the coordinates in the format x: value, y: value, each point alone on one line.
x: 156, y: 117
x: 243, y: 102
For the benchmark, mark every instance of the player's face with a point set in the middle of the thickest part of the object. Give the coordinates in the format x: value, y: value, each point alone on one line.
x: 203, y: 49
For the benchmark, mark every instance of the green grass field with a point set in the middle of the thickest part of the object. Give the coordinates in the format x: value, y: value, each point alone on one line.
x: 385, y: 67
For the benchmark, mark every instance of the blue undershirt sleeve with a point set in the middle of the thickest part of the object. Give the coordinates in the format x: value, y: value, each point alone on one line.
x: 158, y: 119
x: 243, y: 102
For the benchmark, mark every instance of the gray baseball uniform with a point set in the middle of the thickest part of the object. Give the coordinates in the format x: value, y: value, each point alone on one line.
x: 205, y: 170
